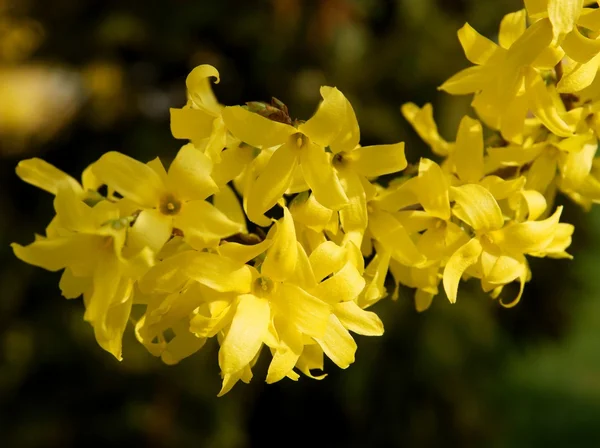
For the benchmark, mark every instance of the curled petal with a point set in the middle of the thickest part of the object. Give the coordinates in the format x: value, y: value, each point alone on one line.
x: 337, y: 343
x: 357, y: 320
x: 458, y: 263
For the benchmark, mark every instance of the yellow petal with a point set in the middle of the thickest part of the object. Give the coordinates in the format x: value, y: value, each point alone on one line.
x: 349, y: 134
x: 191, y: 124
x: 287, y: 353
x: 337, y: 343
x: 281, y: 258
x: 357, y: 320
x: 354, y: 216
x: 530, y: 44
x: 478, y: 49
x: 512, y: 27
x: 344, y: 285
x: 458, y: 263
x: 303, y: 274
x: 228, y: 203
x: 468, y: 153
x: 255, y: 129
x: 559, y: 244
x: 233, y: 161
x: 580, y: 48
x: 243, y: 253
x: 270, y: 186
x: 529, y: 236
x: 421, y: 119
x: 311, y: 358
x: 536, y: 8
x: 74, y: 214
x: 305, y: 312
x: 541, y: 173
x: 394, y: 237
x: 423, y: 300
x: 579, y: 76
x: 575, y: 166
x: 321, y: 177
x: 134, y: 180
x: 543, y: 106
x: 325, y: 124
x: 184, y: 344
x: 151, y: 229
x: 72, y: 287
x: 189, y: 175
x: 309, y: 212
x: 199, y: 88
x: 563, y: 15
x: 204, y: 225
x: 469, y: 80
x: 476, y: 206
x: 53, y: 254
x: 374, y: 161
x: 326, y: 259
x: 245, y: 336
x: 433, y: 189
x: 400, y: 195
x: 43, y: 175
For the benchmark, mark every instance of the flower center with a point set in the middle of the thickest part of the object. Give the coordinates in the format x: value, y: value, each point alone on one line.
x: 169, y: 205
x: 339, y: 160
x: 262, y: 286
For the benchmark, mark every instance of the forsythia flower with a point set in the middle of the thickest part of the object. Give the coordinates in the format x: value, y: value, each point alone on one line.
x: 295, y: 266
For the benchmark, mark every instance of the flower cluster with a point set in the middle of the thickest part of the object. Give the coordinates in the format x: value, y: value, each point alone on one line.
x: 270, y: 231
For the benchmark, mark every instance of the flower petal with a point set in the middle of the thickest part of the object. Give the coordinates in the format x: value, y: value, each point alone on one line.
x: 134, y: 180
x: 151, y: 229
x: 468, y: 152
x: 305, y: 312
x: 529, y: 236
x: 374, y: 161
x: 43, y: 175
x: 476, y: 206
x: 421, y: 119
x: 325, y: 124
x: 287, y: 353
x: 344, y: 285
x: 458, y: 263
x: 337, y: 343
x: 282, y: 256
x: 245, y: 336
x: 393, y: 236
x: 255, y: 129
x: 228, y: 203
x: 271, y: 184
x: 512, y: 27
x: 189, y: 175
x: 478, y: 49
x: 204, y: 225
x: 200, y: 90
x: 321, y: 177
x: 433, y: 189
x: 191, y: 124
x: 358, y: 320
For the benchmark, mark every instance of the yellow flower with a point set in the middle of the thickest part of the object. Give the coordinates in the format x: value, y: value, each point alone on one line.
x: 303, y: 149
x: 200, y: 120
x: 173, y: 200
x: 90, y: 247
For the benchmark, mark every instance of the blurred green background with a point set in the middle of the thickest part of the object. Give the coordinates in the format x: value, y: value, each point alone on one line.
x: 79, y: 78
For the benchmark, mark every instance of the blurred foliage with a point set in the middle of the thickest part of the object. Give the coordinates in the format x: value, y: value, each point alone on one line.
x: 78, y: 79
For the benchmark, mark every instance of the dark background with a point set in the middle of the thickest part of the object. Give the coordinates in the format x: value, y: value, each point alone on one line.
x: 79, y: 78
